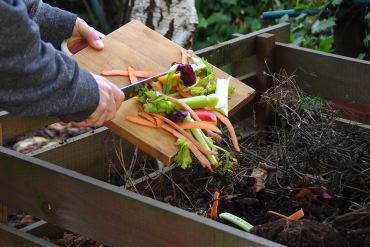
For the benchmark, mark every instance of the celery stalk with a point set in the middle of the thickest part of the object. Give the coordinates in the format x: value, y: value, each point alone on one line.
x: 237, y: 221
x: 229, y: 160
x: 199, y: 137
x: 196, y: 102
x: 167, y: 86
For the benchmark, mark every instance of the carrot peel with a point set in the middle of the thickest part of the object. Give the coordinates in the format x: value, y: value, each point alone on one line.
x: 131, y: 74
x: 229, y: 126
x: 215, y: 205
x: 200, y: 125
x: 140, y: 121
x: 296, y: 216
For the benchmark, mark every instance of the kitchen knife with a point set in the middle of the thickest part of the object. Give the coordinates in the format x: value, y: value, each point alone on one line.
x: 129, y: 90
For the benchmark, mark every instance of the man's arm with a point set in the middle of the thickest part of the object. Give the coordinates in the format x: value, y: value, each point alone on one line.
x: 55, y: 24
x: 36, y: 79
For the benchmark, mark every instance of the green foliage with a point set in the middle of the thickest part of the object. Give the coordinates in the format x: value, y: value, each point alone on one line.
x: 219, y: 19
x: 310, y: 32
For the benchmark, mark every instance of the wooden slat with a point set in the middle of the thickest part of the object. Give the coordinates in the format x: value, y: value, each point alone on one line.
x: 14, y: 126
x: 106, y: 213
x: 3, y: 208
x: 265, y: 67
x: 241, y: 47
x: 338, y: 77
x: 88, y: 153
x: 12, y: 237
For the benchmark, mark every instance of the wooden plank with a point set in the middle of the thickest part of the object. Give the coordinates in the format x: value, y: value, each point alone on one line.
x: 244, y: 46
x: 3, y: 208
x: 265, y: 67
x: 12, y: 237
x: 104, y: 212
x: 333, y: 76
x: 145, y: 49
x: 89, y: 153
x: 14, y: 126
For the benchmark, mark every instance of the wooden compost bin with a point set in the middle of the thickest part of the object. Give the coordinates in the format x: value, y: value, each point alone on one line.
x: 59, y: 184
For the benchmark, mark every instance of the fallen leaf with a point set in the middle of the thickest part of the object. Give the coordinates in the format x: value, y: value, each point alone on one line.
x: 265, y: 172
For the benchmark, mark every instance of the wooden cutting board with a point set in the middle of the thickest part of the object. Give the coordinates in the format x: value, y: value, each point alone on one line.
x: 137, y: 45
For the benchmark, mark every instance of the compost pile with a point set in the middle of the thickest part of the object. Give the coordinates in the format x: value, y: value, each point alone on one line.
x: 308, y: 160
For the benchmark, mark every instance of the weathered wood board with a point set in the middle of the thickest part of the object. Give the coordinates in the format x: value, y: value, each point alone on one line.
x: 137, y: 45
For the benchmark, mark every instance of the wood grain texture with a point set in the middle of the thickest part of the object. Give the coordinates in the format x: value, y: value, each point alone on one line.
x: 241, y: 47
x: 265, y: 67
x: 12, y: 237
x: 106, y: 213
x: 333, y: 76
x: 145, y: 49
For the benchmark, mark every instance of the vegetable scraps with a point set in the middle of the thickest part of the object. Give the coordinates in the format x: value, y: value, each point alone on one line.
x: 246, y: 226
x: 193, y: 117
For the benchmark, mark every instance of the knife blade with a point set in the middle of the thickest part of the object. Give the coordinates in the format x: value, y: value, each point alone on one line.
x: 129, y: 90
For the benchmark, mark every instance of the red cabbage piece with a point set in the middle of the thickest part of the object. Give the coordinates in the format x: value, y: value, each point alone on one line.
x: 177, y: 115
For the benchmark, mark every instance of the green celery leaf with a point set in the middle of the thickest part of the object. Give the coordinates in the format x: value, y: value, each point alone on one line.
x: 183, y: 157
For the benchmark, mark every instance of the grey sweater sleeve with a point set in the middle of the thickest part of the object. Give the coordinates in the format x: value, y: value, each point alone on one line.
x: 36, y: 79
x: 55, y: 24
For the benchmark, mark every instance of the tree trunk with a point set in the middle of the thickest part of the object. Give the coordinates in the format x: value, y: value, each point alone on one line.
x: 175, y: 20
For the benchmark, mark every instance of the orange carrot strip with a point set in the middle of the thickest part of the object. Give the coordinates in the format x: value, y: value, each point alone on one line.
x: 183, y: 94
x: 200, y: 125
x: 140, y: 121
x: 230, y: 127
x: 192, y: 147
x: 148, y: 117
x: 215, y: 205
x: 192, y: 114
x: 131, y: 74
x: 296, y: 216
x: 114, y: 72
x: 138, y: 73
x: 184, y: 56
x: 159, y: 122
x: 147, y: 73
x: 186, y: 134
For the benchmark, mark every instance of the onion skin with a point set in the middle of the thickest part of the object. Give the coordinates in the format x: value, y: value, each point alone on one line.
x: 177, y: 115
x: 187, y: 74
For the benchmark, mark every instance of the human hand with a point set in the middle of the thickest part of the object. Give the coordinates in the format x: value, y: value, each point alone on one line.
x: 89, y: 37
x: 111, y: 98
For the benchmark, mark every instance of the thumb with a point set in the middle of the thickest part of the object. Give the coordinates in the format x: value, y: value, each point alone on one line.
x: 90, y: 34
